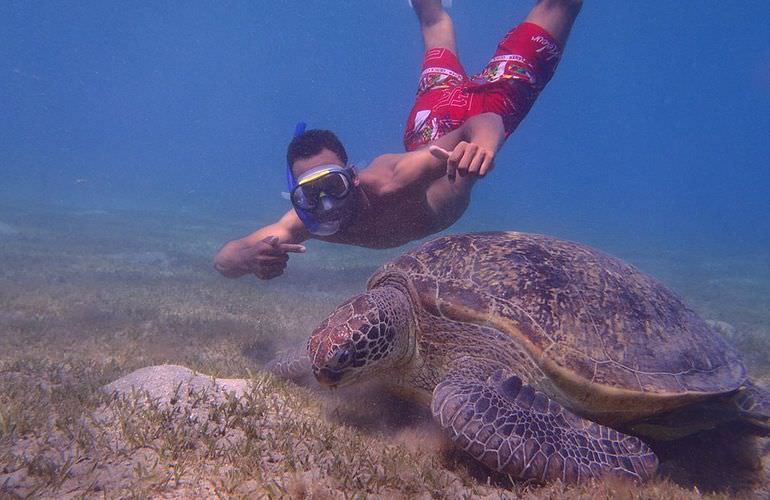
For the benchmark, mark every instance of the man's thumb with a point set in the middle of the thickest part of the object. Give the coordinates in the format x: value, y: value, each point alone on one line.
x: 438, y: 152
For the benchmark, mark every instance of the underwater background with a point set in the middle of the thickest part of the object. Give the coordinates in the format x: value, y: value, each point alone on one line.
x: 654, y: 128
x: 137, y: 138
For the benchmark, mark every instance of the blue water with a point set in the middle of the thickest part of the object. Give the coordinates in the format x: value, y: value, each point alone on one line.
x: 655, y: 127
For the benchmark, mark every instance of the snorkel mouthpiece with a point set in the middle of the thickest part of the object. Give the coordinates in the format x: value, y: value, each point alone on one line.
x: 326, y: 228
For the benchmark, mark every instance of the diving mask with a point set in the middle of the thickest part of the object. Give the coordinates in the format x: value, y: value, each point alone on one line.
x: 324, y: 181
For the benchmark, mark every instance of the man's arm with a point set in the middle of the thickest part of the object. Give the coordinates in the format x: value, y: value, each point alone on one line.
x: 470, y: 149
x: 263, y: 253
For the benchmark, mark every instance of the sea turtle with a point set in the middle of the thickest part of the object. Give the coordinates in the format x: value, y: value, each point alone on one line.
x: 541, y: 358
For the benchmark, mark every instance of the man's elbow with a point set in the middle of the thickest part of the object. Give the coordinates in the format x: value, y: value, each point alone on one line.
x: 224, y: 261
x: 573, y: 6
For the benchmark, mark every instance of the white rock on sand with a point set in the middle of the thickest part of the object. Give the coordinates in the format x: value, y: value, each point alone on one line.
x: 164, y: 382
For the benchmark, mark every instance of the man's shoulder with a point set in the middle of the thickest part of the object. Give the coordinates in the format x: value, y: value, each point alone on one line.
x: 380, y: 169
x: 388, y: 163
x: 387, y: 160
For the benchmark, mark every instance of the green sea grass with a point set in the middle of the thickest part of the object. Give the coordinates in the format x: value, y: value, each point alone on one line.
x: 88, y: 298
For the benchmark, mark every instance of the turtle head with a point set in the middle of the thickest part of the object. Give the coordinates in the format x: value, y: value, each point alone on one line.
x: 370, y: 333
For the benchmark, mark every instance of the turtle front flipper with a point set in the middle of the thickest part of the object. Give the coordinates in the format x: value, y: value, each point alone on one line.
x: 513, y: 429
x: 292, y: 364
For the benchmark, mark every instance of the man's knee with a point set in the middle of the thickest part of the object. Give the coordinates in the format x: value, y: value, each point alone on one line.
x: 565, y: 4
x: 573, y: 5
x: 556, y: 17
x: 566, y: 8
x: 429, y: 12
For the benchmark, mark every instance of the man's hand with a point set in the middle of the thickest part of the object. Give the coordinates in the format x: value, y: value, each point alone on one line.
x: 265, y: 259
x: 467, y: 158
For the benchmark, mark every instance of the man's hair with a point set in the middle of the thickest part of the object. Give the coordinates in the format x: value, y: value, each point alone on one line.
x: 312, y: 142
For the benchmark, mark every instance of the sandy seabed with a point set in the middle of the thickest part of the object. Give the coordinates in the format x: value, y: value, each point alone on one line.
x: 89, y: 296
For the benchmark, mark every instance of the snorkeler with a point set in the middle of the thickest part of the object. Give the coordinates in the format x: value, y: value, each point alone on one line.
x: 455, y: 128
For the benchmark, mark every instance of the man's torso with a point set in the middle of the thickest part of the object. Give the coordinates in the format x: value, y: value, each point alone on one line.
x: 410, y: 214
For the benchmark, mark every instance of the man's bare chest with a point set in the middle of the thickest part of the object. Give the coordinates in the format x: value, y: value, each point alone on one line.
x: 385, y: 225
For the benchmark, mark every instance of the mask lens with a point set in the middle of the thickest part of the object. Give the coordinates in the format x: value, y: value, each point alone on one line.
x: 300, y: 200
x: 307, y: 195
x: 335, y: 185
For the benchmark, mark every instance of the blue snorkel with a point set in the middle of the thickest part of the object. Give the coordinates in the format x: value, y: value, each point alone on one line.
x: 291, y: 181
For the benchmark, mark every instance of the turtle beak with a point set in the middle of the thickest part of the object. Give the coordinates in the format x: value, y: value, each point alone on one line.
x: 328, y: 378
x: 331, y: 373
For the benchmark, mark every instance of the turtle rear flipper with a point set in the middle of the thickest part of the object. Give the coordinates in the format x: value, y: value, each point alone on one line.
x: 513, y: 429
x: 753, y: 403
x: 292, y: 364
x: 746, y: 409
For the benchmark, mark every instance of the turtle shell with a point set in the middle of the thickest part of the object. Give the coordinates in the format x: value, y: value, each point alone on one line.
x: 586, y: 317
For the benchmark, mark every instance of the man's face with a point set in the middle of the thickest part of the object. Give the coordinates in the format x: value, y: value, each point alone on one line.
x: 325, y: 200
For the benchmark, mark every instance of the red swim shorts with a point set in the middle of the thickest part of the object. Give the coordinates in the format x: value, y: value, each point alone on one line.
x: 525, y: 60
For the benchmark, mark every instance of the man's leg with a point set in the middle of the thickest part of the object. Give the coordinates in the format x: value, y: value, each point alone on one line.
x: 556, y: 17
x: 435, y: 24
